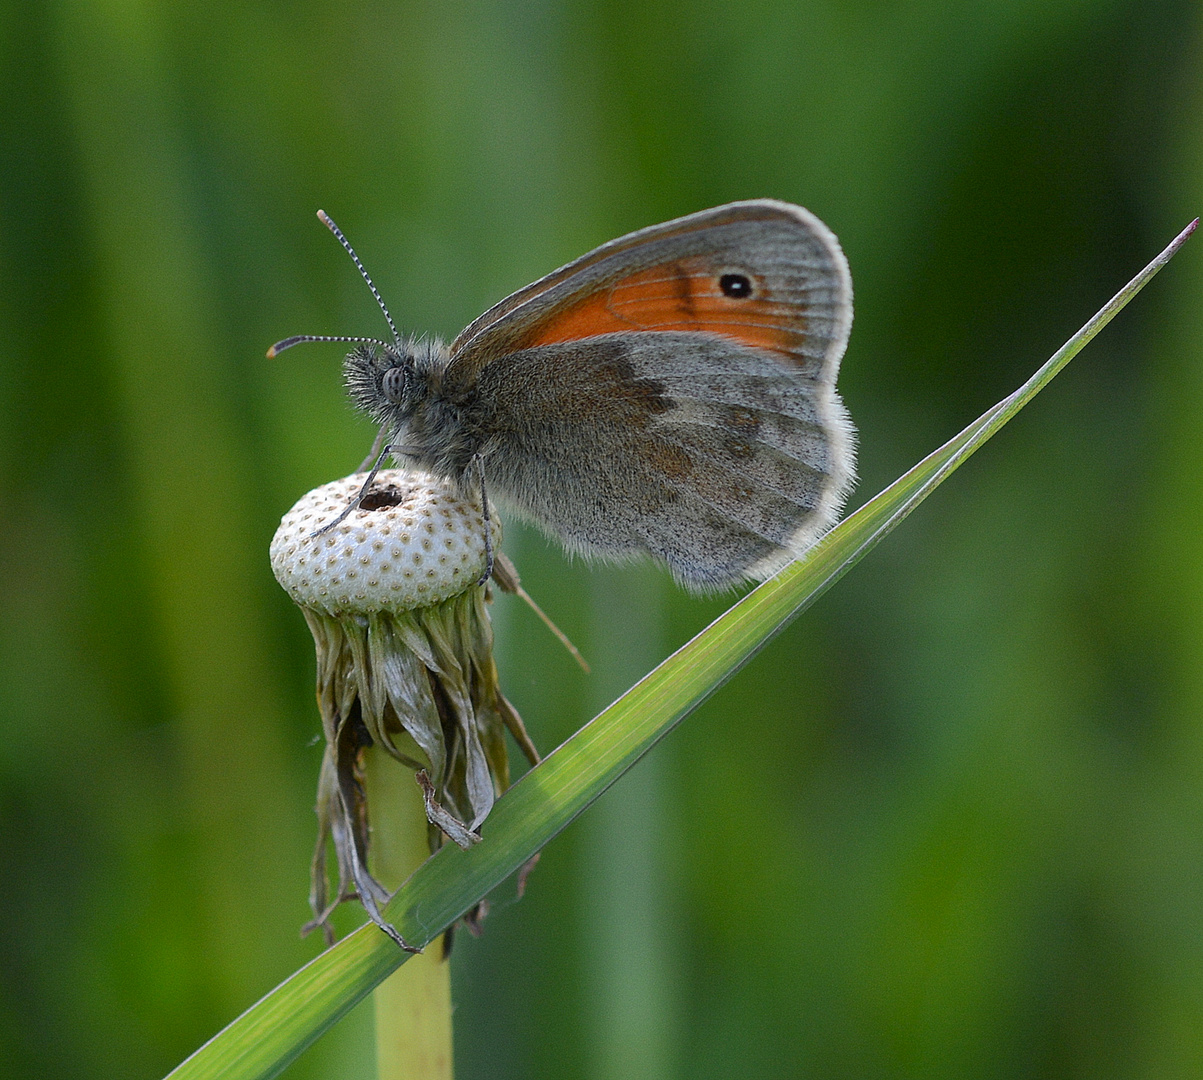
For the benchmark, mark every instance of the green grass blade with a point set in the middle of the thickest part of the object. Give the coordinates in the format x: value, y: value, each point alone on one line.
x: 273, y: 1032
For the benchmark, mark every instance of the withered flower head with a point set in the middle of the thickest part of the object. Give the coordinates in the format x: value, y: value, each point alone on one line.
x: 404, y: 662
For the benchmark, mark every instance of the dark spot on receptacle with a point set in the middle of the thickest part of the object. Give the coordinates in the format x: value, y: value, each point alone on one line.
x: 736, y: 286
x: 382, y: 498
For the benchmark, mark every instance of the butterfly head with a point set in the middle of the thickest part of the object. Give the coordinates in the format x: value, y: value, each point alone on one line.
x: 391, y: 382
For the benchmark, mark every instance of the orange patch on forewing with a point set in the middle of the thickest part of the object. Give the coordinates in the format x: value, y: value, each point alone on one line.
x: 683, y: 295
x: 588, y: 318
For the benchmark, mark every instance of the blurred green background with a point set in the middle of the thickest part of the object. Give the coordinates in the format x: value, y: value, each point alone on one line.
x: 950, y: 824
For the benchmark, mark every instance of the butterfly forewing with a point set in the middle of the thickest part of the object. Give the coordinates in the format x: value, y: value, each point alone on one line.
x: 714, y: 456
x: 768, y: 274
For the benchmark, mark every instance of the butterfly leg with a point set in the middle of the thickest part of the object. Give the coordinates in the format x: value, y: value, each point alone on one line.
x: 374, y: 453
x: 484, y: 506
x: 363, y: 491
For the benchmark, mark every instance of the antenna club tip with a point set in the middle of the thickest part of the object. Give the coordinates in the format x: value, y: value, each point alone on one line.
x: 271, y: 353
x: 324, y: 218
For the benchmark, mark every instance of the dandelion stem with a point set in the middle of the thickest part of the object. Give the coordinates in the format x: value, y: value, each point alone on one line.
x: 413, y: 1005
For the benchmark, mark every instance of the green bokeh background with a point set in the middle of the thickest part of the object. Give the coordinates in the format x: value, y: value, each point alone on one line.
x: 950, y: 824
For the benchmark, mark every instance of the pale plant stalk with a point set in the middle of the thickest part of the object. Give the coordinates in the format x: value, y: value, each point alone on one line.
x: 413, y: 1005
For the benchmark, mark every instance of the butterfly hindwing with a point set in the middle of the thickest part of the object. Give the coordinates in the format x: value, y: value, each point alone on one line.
x: 711, y: 455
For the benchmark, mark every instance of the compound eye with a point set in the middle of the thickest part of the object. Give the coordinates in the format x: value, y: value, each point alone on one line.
x: 393, y: 383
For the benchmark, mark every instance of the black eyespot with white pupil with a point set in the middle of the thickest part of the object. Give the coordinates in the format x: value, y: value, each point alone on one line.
x: 393, y: 383
x: 736, y: 286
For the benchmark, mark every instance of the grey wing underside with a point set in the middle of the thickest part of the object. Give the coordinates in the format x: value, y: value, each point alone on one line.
x: 720, y: 459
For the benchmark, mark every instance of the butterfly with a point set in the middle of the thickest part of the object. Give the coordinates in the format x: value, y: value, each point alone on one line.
x: 671, y: 393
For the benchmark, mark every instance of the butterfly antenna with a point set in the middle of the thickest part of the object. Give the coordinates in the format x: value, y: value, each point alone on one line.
x: 299, y: 339
x: 324, y: 218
